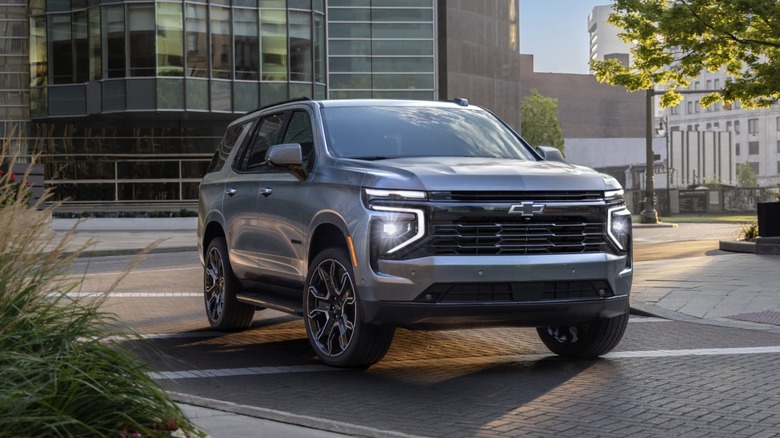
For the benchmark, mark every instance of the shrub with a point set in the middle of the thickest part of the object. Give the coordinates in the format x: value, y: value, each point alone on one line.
x: 749, y: 232
x: 62, y: 372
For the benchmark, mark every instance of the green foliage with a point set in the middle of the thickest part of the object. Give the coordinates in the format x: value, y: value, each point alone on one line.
x: 749, y: 232
x: 677, y: 40
x: 539, y: 121
x: 746, y: 176
x: 62, y: 371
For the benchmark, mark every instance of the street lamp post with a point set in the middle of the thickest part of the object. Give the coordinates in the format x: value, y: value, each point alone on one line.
x: 649, y: 215
x: 663, y: 130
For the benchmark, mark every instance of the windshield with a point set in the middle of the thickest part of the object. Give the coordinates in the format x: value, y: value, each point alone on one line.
x: 381, y: 132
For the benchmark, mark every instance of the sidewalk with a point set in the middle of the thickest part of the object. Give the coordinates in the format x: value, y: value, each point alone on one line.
x: 728, y: 289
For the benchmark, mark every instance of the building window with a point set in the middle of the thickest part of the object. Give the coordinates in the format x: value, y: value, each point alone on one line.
x: 728, y: 125
x: 752, y: 126
x: 777, y: 122
x: 675, y: 110
x: 696, y: 106
x: 752, y: 148
x: 778, y: 146
x: 778, y: 167
x: 709, y: 126
x: 690, y: 107
x: 247, y: 44
x: 736, y: 149
x: 142, y: 35
x: 197, y: 49
x: 696, y: 127
x: 170, y: 43
x: 300, y: 47
x: 273, y: 29
x: 716, y: 125
x: 717, y: 84
x: 220, y: 43
x: 736, y: 126
x: 114, y: 41
x: 754, y: 166
x: 690, y: 128
x: 61, y: 49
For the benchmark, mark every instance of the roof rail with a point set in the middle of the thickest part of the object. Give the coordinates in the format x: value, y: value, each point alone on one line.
x: 297, y: 99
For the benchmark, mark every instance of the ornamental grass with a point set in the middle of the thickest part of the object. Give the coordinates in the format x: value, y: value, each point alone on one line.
x: 62, y: 371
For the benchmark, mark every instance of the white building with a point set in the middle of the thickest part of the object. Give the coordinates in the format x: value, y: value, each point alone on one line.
x: 604, y: 40
x: 755, y: 133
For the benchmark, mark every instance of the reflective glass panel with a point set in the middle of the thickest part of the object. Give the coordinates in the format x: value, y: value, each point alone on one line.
x: 80, y: 46
x: 95, y: 59
x: 197, y: 50
x: 220, y: 43
x: 197, y: 94
x: 273, y: 29
x: 300, y: 47
x: 114, y: 41
x: 170, y: 48
x: 61, y: 49
x: 38, y: 66
x: 247, y: 44
x: 142, y: 36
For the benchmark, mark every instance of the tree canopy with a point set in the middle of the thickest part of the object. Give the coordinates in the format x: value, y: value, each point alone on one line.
x: 675, y: 40
x: 539, y: 121
x: 746, y: 176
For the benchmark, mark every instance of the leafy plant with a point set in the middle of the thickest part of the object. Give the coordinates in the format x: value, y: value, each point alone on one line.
x: 676, y: 40
x: 539, y: 121
x: 749, y: 232
x: 62, y: 371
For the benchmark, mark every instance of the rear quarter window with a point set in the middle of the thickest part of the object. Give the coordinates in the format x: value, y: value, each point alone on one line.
x: 232, y: 135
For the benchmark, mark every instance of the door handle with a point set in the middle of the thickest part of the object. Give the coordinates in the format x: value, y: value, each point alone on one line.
x: 266, y: 191
x: 231, y: 191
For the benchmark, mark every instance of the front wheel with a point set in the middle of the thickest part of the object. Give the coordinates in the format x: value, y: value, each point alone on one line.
x: 584, y: 341
x: 332, y: 315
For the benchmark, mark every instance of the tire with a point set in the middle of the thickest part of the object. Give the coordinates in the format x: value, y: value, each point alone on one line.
x: 223, y: 311
x: 585, y: 341
x: 331, y: 311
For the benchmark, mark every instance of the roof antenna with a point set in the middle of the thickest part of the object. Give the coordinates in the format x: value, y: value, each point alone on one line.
x: 461, y: 101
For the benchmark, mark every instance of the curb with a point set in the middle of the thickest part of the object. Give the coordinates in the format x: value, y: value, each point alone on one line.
x: 286, y: 417
x: 658, y: 225
x: 762, y: 246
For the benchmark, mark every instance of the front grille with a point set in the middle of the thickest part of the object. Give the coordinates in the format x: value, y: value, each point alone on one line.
x: 518, y: 237
x: 515, y: 291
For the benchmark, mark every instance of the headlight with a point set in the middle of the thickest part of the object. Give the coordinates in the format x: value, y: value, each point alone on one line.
x: 397, y: 230
x: 401, y: 226
x: 619, y: 228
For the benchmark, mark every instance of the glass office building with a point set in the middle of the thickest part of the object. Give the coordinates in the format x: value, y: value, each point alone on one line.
x: 126, y: 99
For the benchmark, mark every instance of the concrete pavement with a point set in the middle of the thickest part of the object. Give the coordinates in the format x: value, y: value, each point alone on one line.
x: 722, y: 288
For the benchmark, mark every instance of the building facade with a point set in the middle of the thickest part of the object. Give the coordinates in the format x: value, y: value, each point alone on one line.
x: 754, y: 134
x: 604, y: 41
x: 126, y: 99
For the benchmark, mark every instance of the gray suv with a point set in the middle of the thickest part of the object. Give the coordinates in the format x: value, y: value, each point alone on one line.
x: 366, y: 215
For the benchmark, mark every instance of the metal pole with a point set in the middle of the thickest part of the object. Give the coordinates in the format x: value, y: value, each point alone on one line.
x: 668, y: 168
x: 649, y: 215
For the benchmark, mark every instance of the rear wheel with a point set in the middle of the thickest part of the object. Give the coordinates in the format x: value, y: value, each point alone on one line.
x: 332, y: 315
x: 587, y: 340
x: 223, y: 310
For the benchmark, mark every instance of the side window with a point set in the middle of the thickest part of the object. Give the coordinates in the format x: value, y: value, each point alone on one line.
x: 299, y: 131
x: 268, y: 133
x: 232, y: 134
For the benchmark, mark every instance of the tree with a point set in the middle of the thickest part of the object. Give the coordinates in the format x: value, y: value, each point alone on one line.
x: 675, y: 40
x: 539, y: 121
x: 746, y: 177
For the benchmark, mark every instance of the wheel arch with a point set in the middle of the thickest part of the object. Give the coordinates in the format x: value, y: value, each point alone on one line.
x: 326, y: 235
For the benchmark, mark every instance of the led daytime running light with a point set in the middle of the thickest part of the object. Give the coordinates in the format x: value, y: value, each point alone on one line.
x: 420, y: 224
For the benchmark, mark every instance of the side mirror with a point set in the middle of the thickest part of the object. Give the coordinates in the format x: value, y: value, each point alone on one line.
x: 550, y: 153
x: 287, y: 156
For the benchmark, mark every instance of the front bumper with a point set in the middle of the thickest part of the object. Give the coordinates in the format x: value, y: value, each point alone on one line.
x: 401, y: 293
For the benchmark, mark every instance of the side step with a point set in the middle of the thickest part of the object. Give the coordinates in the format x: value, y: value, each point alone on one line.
x: 275, y: 302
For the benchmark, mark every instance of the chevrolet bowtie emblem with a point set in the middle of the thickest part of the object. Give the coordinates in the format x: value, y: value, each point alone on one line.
x: 527, y: 209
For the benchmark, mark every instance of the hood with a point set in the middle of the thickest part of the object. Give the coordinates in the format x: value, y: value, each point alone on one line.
x: 483, y: 174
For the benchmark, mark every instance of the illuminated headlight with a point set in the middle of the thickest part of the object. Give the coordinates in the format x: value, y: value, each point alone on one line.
x: 619, y: 228
x: 397, y: 230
